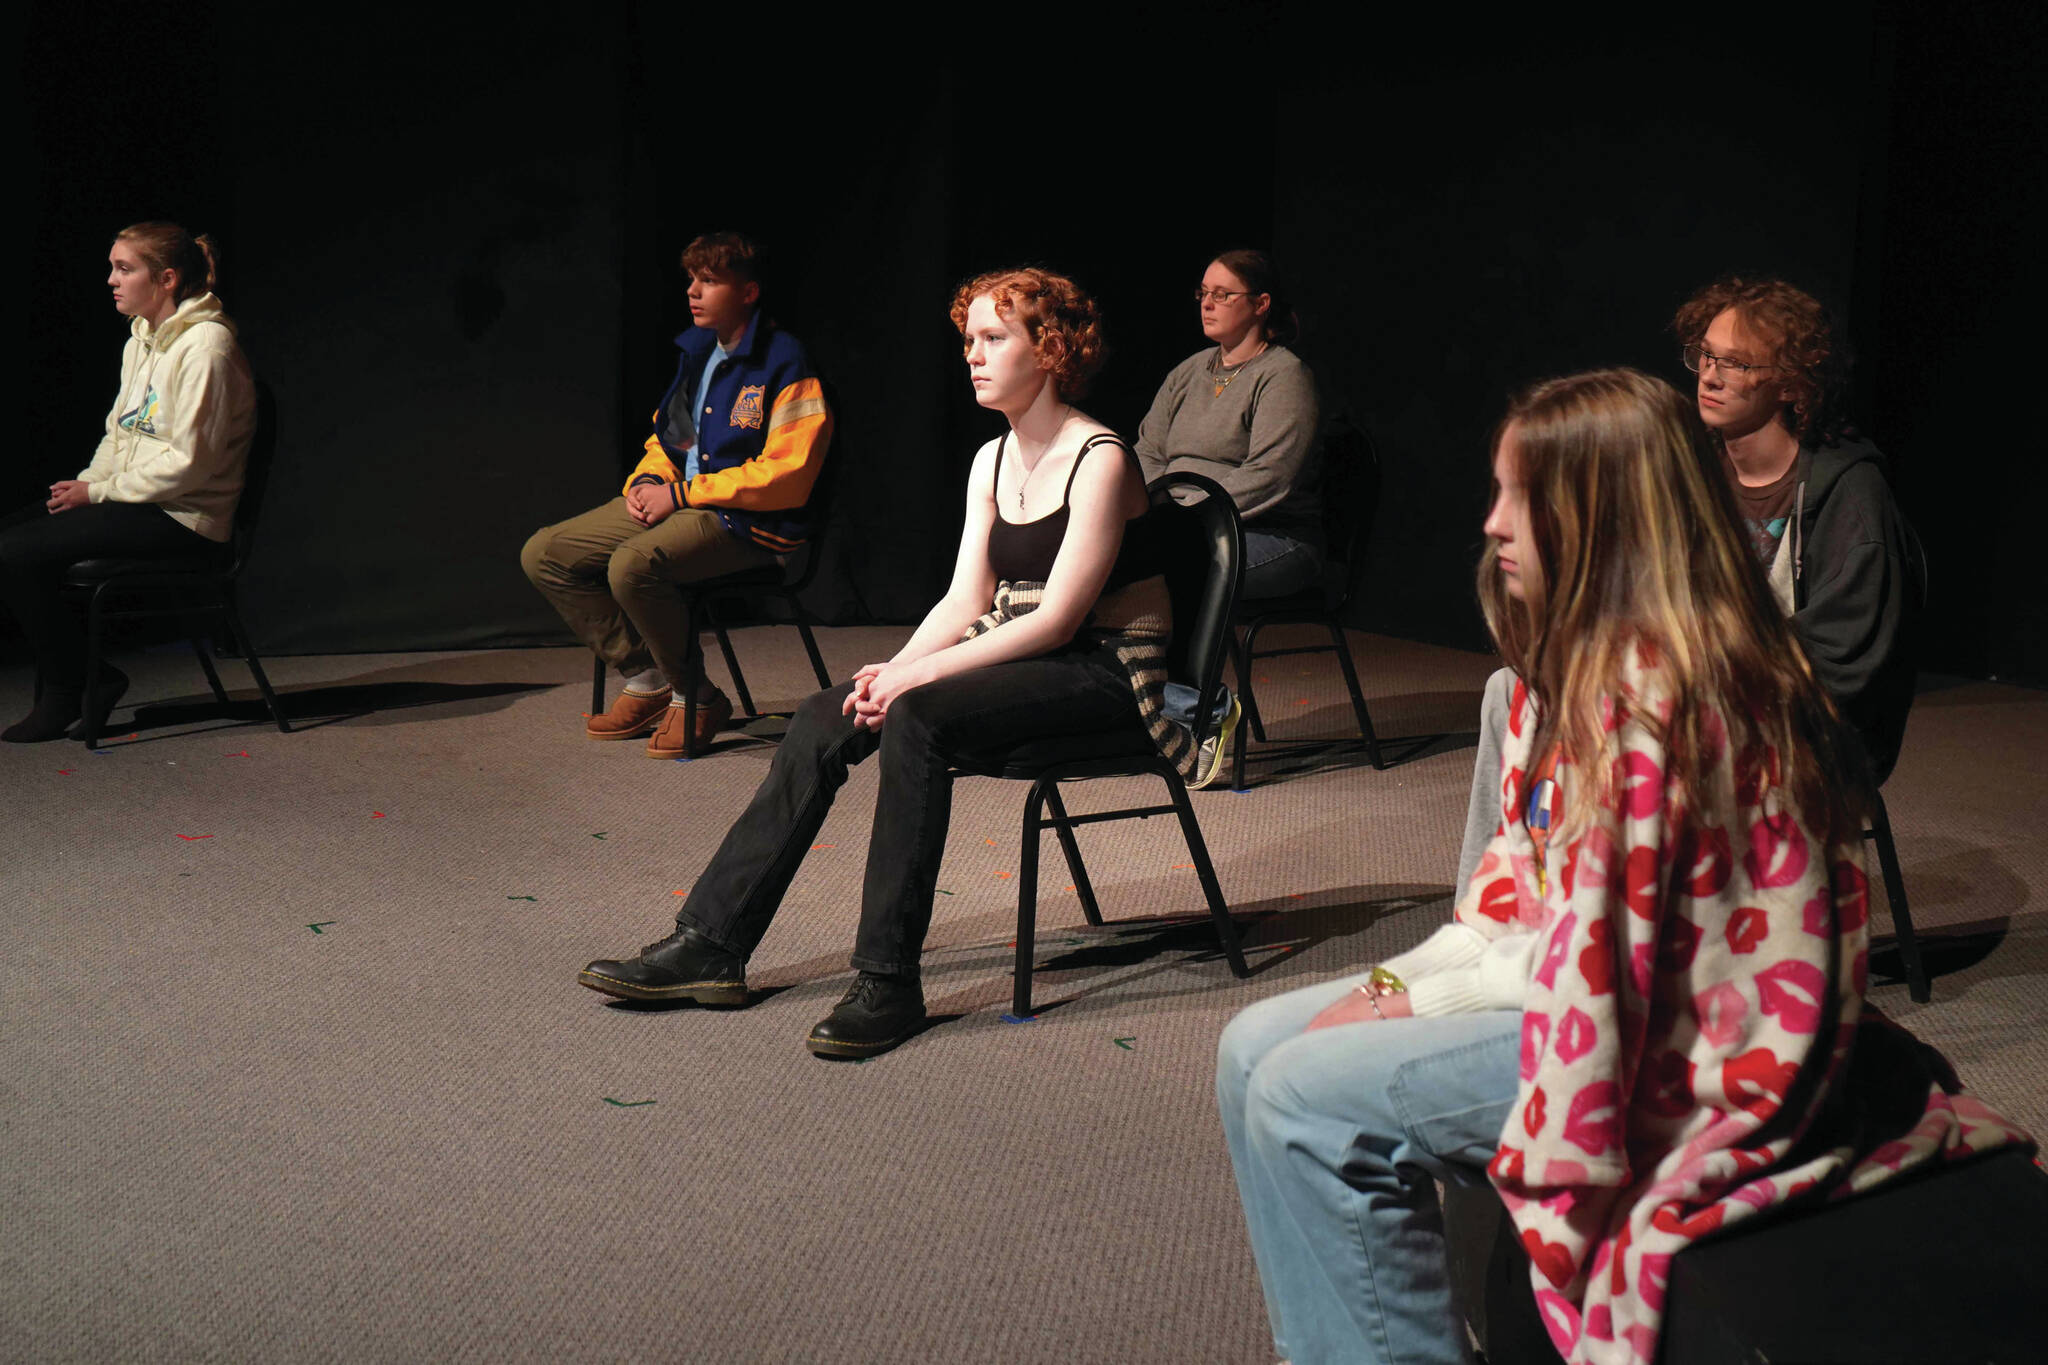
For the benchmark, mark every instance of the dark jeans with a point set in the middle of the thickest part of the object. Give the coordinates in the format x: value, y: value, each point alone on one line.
x: 987, y: 711
x: 1277, y: 565
x: 38, y: 546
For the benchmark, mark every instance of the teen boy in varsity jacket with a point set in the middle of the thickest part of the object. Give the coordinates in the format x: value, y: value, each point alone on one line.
x: 725, y: 485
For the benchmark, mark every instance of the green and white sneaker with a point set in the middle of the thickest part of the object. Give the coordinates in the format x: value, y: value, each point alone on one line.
x: 1216, y: 749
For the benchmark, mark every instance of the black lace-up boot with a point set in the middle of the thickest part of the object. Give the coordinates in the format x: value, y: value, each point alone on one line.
x: 877, y: 1014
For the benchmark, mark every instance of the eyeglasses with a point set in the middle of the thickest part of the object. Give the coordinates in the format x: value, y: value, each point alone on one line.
x: 1218, y: 296
x: 1698, y: 358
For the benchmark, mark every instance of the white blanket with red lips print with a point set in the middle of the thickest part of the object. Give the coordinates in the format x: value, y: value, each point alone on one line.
x: 1689, y: 1029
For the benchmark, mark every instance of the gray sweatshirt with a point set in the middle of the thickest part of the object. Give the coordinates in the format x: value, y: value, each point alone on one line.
x: 1257, y: 437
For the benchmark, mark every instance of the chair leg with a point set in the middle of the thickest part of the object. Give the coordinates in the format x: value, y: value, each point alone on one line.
x: 95, y: 632
x: 1198, y: 849
x: 1895, y: 889
x: 1027, y: 899
x: 803, y: 628
x: 1372, y: 741
x: 1243, y: 668
x: 204, y: 652
x: 1247, y: 661
x: 596, y: 685
x: 249, y: 657
x: 732, y: 666
x: 1073, y: 851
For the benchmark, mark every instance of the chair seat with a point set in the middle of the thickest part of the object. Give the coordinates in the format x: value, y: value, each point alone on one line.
x: 1026, y: 761
x: 1319, y: 599
x: 768, y: 575
x: 88, y: 573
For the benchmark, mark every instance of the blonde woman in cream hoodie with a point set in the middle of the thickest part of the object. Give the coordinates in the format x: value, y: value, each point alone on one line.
x: 165, y: 479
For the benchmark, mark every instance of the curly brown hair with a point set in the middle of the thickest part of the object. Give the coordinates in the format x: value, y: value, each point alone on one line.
x: 1064, y: 324
x: 1800, y: 336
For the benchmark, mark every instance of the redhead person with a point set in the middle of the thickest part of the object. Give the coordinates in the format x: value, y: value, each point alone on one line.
x: 165, y: 479
x: 1645, y: 1021
x: 1243, y: 411
x: 1054, y: 624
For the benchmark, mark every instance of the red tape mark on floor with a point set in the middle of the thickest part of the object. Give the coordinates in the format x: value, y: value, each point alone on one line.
x: 194, y: 838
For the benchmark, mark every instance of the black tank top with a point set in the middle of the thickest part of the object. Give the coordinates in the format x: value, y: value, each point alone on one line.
x: 1023, y: 552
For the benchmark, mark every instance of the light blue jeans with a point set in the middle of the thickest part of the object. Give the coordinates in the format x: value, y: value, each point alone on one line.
x: 1335, y: 1137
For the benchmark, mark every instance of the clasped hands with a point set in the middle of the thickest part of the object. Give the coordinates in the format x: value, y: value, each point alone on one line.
x: 66, y: 494
x: 877, y: 685
x: 649, y: 503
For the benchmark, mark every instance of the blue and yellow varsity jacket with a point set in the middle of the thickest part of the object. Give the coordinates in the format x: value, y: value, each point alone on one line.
x: 761, y: 438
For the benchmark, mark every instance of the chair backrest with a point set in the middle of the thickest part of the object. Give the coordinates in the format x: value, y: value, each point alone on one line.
x: 1201, y: 551
x: 1351, y: 500
x: 819, y: 504
x: 1883, y: 742
x: 255, y: 475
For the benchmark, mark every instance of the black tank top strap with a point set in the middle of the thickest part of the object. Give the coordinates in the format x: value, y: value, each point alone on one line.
x: 995, y: 480
x: 1099, y: 438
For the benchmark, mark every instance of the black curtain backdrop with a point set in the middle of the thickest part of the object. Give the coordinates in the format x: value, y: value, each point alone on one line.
x: 451, y: 242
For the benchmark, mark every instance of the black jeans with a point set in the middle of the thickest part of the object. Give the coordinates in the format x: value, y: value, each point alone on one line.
x: 37, y: 548
x: 1076, y: 691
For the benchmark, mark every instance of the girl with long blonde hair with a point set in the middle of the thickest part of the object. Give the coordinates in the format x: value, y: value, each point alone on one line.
x: 1640, y: 1020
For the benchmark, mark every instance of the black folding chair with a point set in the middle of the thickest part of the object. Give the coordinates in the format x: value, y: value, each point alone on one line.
x: 1351, y: 488
x: 195, y: 587
x: 773, y: 582
x: 784, y: 582
x: 1203, y: 548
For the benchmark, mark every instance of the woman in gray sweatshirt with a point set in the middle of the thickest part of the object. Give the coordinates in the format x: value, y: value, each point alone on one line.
x: 1243, y: 411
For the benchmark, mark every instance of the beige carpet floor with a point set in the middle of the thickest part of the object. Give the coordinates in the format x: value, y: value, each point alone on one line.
x: 293, y: 1065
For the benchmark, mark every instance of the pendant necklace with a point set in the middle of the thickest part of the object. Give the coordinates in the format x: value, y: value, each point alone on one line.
x: 1068, y: 411
x: 1231, y: 372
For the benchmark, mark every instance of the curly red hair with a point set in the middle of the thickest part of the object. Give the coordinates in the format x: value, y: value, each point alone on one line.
x: 1793, y: 326
x: 1064, y: 324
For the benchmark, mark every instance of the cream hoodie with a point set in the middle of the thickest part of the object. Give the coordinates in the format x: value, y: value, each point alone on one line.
x: 179, y: 433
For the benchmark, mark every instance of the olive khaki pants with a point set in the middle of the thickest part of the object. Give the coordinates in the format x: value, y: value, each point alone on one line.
x: 614, y: 581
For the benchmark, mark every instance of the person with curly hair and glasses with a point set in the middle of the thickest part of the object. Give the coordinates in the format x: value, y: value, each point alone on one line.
x: 1816, y: 501
x: 1054, y: 625
x: 1645, y: 1021
x: 1816, y: 505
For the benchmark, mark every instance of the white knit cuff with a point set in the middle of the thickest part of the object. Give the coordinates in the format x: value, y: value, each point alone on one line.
x: 1453, y: 946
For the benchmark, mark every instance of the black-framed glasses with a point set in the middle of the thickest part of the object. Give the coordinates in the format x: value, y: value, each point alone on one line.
x: 1699, y: 359
x: 1204, y: 294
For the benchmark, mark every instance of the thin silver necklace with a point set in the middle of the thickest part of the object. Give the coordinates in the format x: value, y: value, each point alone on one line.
x: 1029, y: 470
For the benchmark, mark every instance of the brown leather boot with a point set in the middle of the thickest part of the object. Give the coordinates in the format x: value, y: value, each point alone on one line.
x: 632, y: 715
x: 669, y: 740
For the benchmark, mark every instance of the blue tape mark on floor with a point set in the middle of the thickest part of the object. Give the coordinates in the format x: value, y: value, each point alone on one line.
x: 1013, y: 1019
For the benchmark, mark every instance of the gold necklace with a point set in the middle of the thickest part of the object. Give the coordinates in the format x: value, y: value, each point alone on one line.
x: 1233, y: 371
